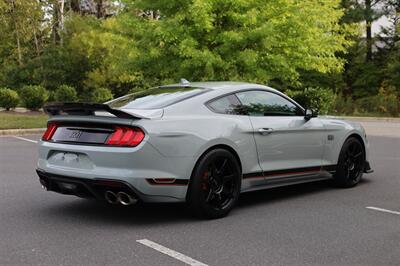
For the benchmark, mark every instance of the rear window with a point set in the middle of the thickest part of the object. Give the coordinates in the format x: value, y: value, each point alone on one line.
x: 155, y: 98
x: 225, y: 105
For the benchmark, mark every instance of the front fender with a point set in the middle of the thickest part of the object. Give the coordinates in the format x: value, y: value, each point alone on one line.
x: 338, y: 132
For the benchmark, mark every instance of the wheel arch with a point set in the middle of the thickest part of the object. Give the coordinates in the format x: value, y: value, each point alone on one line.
x: 358, y: 137
x: 220, y: 146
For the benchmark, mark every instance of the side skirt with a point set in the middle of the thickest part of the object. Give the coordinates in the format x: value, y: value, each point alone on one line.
x: 287, y: 177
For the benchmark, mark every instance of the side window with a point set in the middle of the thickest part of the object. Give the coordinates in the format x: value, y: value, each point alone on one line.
x: 225, y: 105
x: 263, y: 103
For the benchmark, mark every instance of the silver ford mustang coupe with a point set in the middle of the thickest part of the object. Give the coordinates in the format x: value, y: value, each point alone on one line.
x: 200, y: 143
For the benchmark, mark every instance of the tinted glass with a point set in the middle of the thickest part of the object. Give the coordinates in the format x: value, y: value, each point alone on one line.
x: 225, y: 105
x: 262, y: 103
x: 154, y: 98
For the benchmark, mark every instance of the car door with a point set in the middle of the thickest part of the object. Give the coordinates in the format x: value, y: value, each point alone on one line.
x: 286, y: 142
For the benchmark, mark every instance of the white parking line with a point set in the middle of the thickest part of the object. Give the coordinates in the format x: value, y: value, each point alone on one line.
x: 383, y: 210
x: 21, y: 138
x: 170, y: 252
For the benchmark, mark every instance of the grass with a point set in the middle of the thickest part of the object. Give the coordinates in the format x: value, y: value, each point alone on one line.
x: 12, y: 120
x: 370, y: 115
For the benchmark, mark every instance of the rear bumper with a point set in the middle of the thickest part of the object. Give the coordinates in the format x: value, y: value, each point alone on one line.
x: 131, y: 166
x: 96, y: 187
x: 85, y: 188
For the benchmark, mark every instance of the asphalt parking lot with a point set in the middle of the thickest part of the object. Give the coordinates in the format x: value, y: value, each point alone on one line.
x: 310, y: 224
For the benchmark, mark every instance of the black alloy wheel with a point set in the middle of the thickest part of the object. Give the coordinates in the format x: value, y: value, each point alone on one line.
x: 351, y: 163
x: 215, y: 184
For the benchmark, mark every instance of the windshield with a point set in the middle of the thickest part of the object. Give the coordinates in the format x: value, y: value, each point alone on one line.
x: 155, y: 98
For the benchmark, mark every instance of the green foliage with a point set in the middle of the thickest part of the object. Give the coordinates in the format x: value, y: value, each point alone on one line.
x: 319, y: 99
x: 21, y: 32
x: 343, y: 105
x: 393, y: 68
x: 33, y: 96
x: 257, y: 41
x: 286, y: 44
x: 372, y: 60
x: 65, y: 93
x: 385, y: 103
x: 364, y: 78
x: 101, y: 95
x: 111, y: 52
x: 8, y: 98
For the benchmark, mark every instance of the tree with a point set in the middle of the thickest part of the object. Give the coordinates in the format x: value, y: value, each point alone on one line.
x: 241, y: 40
x: 393, y: 62
x: 20, y: 28
x: 17, y: 24
x: 366, y: 59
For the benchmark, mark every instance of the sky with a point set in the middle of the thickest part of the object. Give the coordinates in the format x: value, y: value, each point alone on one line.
x: 382, y: 22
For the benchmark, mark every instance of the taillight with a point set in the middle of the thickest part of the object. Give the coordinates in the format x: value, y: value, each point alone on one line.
x: 126, y: 136
x: 51, y: 128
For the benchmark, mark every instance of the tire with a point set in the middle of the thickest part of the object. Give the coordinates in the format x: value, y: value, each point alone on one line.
x: 214, y: 185
x: 351, y: 164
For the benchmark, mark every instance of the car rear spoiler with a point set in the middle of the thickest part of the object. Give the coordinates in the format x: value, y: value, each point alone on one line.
x: 84, y: 109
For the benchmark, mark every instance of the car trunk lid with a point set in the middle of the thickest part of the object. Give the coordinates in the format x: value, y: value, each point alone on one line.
x: 94, y: 124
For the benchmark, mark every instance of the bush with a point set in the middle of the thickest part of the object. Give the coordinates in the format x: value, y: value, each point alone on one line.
x: 33, y: 96
x: 385, y: 102
x: 388, y: 101
x: 101, y: 95
x: 343, y: 105
x: 319, y: 99
x: 8, y: 98
x: 65, y: 93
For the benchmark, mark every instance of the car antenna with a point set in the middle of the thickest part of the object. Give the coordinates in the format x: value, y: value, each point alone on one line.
x: 185, y: 82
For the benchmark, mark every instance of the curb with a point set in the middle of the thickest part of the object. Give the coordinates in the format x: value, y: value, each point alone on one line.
x: 371, y: 119
x: 7, y: 132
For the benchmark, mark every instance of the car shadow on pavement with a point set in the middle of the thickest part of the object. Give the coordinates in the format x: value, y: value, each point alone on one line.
x: 270, y: 196
x: 94, y: 213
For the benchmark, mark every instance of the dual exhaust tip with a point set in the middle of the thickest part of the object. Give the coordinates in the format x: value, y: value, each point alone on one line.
x: 120, y: 197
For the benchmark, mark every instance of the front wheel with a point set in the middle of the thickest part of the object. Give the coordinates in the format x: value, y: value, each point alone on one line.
x: 215, y: 184
x: 351, y: 164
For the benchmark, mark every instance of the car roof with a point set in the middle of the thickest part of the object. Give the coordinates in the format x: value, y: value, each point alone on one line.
x: 215, y: 85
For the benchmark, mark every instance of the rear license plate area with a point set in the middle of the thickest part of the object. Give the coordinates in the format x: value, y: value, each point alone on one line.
x: 81, y: 135
x: 70, y: 160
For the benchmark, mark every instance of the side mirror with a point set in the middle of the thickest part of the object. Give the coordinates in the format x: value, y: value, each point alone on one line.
x: 308, y: 114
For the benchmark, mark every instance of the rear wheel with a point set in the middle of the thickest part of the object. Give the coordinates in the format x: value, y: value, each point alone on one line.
x: 215, y: 184
x: 351, y: 163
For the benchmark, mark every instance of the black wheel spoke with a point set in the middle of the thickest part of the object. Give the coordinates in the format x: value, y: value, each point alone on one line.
x: 219, y: 182
x: 350, y: 166
x: 348, y: 172
x: 353, y: 161
x: 215, y: 184
x: 213, y: 170
x: 210, y: 196
x: 222, y: 168
x: 218, y: 200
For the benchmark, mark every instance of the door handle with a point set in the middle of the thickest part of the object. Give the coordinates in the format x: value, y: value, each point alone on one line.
x: 265, y: 131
